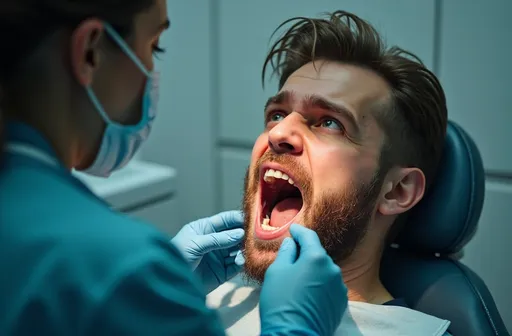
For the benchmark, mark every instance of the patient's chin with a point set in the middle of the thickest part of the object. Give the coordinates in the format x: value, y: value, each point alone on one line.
x: 257, y: 262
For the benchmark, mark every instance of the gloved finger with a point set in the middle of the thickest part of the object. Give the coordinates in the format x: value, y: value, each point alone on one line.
x: 232, y: 258
x: 220, y: 240
x: 226, y: 220
x: 287, y: 253
x: 240, y: 259
x: 307, y: 239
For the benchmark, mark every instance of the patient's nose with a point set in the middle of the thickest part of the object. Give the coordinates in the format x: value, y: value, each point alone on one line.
x: 285, y: 137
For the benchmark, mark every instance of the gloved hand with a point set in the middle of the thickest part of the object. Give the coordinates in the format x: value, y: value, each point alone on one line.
x: 303, y: 292
x: 212, y: 247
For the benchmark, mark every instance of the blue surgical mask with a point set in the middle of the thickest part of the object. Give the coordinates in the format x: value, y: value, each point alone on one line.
x: 121, y: 142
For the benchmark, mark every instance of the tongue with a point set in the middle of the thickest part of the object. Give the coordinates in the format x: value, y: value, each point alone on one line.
x: 284, y: 211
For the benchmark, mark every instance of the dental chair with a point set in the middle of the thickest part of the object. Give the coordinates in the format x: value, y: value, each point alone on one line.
x: 420, y: 266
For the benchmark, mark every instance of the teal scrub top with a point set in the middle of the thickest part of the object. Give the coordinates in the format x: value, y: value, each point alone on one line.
x: 69, y: 265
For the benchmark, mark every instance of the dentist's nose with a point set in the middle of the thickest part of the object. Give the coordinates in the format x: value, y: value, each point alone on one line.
x: 286, y: 137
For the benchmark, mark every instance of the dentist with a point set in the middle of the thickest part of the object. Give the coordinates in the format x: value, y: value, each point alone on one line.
x: 78, y: 91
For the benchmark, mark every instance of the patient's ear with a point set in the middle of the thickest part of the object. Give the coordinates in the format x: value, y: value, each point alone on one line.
x: 403, y: 189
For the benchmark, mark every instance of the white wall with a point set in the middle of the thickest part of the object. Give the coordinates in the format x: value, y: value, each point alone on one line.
x: 474, y: 67
x: 185, y: 131
x: 212, y: 101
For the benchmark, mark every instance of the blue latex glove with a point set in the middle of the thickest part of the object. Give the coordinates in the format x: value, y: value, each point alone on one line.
x: 212, y: 247
x: 303, y: 292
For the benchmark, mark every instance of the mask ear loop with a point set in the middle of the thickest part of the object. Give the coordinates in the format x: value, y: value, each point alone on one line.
x: 98, y: 106
x: 94, y: 99
x: 127, y: 50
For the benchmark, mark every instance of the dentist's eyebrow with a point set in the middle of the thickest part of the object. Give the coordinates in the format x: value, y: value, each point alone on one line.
x: 163, y: 26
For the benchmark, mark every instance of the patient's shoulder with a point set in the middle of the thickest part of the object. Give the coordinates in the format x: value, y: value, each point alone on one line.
x: 396, y: 302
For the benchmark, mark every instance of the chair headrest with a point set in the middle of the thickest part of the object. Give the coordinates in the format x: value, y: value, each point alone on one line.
x: 447, y: 217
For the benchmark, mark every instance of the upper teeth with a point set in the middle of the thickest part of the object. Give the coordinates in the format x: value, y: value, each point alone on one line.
x: 272, y: 174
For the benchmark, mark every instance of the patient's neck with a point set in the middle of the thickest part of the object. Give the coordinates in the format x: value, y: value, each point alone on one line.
x: 361, y: 276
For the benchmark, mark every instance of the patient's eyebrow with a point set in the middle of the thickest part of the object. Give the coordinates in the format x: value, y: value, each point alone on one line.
x: 324, y: 104
x: 316, y: 101
x: 279, y: 98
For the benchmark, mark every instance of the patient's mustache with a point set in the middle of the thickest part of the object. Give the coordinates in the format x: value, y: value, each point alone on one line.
x: 292, y: 165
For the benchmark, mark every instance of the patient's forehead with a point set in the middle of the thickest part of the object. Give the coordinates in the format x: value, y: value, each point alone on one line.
x: 362, y: 90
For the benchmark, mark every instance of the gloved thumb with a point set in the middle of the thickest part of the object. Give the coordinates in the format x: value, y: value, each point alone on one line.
x: 287, y: 253
x: 220, y: 240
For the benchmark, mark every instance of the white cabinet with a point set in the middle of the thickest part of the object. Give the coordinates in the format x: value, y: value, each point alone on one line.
x: 475, y: 48
x: 234, y: 163
x: 162, y: 215
x: 141, y: 189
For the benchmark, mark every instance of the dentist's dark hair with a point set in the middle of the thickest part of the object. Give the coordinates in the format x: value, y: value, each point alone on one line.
x: 26, y: 24
x: 414, y: 120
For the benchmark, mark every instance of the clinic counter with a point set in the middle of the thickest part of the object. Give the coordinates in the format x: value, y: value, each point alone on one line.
x: 142, y: 189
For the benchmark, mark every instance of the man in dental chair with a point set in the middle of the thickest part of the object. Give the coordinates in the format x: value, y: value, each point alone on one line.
x: 352, y: 140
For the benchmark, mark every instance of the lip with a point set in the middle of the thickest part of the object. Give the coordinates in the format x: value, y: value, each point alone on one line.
x: 284, y: 230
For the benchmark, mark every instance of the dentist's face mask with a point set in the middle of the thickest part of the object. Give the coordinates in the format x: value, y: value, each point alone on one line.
x: 121, y: 142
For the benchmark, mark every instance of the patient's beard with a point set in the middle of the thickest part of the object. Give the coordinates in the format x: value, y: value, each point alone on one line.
x: 340, y: 220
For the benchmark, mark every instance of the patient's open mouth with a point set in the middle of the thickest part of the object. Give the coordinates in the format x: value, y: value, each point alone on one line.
x: 280, y: 202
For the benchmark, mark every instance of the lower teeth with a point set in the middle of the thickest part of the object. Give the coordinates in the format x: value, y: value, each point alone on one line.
x: 265, y: 225
x: 268, y: 227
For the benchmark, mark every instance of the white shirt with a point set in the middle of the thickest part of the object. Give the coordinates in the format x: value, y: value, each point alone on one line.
x: 237, y: 305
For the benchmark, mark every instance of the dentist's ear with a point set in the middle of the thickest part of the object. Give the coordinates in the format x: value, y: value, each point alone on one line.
x: 403, y: 190
x: 85, y: 50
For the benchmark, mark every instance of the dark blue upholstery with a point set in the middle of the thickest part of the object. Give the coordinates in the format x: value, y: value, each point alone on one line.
x: 421, y: 270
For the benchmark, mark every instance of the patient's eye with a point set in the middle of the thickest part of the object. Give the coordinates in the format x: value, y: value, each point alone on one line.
x: 275, y: 116
x: 331, y: 124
